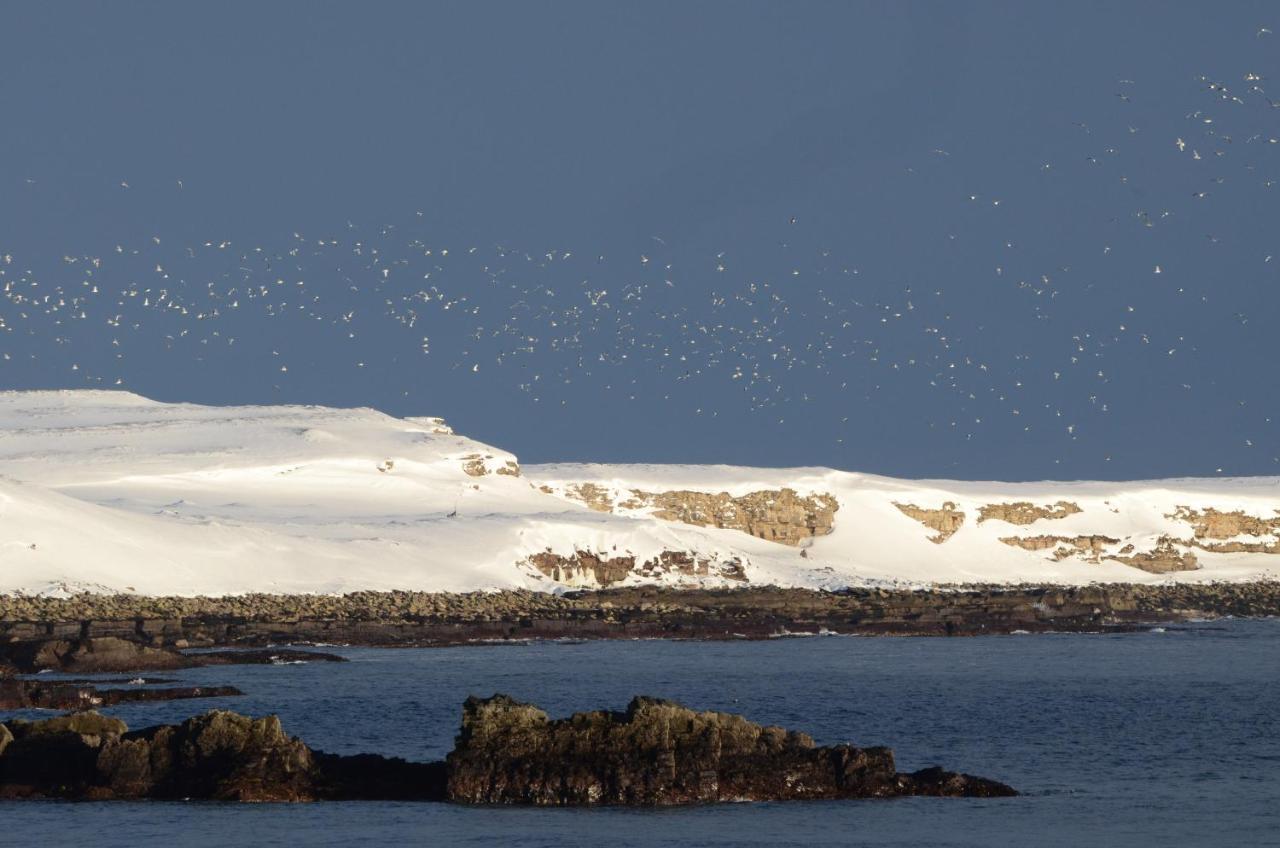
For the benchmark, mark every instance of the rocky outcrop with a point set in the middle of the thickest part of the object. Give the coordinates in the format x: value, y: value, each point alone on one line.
x: 219, y: 756
x: 777, y: 515
x: 656, y: 753
x: 1164, y: 558
x: 1090, y: 548
x: 78, y: 696
x: 592, y: 496
x: 782, y: 515
x: 91, y: 656
x: 478, y: 465
x: 95, y: 655
x: 1215, y: 524
x: 945, y: 521
x: 1023, y: 513
x: 1217, y: 532
x: 660, y: 753
x: 589, y: 569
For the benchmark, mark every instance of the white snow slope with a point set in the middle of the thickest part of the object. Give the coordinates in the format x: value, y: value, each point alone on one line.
x: 110, y: 491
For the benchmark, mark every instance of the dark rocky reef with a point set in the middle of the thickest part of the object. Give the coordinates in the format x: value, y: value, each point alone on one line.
x: 441, y: 618
x: 655, y: 753
x: 94, y: 655
x: 77, y: 695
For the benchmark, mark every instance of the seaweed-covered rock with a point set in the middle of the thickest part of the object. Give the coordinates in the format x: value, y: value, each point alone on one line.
x: 661, y: 753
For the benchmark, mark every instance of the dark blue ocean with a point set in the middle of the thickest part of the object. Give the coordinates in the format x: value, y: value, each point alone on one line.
x: 1144, y: 739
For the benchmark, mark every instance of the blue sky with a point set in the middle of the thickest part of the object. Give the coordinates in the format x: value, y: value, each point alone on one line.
x: 990, y: 240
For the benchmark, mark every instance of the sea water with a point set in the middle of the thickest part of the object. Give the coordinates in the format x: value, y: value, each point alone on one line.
x: 1140, y: 739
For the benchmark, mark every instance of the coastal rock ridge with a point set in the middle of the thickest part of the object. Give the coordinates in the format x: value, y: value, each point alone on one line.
x: 656, y: 753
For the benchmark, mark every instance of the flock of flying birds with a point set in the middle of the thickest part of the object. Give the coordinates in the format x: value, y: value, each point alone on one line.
x: 562, y: 324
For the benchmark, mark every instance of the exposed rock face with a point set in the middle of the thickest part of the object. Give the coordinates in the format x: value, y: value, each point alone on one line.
x: 585, y: 568
x: 656, y: 753
x: 1213, y: 524
x: 661, y: 753
x: 595, y: 497
x: 1090, y: 548
x: 778, y: 515
x: 1023, y: 513
x: 945, y: 521
x: 1165, y: 557
x: 1210, y: 524
x: 781, y: 516
x: 478, y: 465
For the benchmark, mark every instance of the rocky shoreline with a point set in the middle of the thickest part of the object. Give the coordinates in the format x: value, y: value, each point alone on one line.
x: 441, y: 619
x: 655, y: 753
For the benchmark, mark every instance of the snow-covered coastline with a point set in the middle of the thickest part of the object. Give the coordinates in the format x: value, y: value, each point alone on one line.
x: 112, y: 492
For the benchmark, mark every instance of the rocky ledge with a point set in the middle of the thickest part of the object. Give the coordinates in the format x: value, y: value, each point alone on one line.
x: 93, y: 655
x: 442, y: 618
x: 655, y: 753
x: 79, y: 695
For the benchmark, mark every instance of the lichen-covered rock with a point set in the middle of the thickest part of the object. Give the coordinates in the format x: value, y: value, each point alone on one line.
x: 661, y: 753
x: 945, y: 521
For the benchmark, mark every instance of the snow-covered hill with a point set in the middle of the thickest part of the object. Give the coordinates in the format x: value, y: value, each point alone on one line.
x: 114, y: 492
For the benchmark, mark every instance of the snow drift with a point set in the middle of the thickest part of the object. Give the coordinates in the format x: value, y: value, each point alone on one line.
x: 110, y: 491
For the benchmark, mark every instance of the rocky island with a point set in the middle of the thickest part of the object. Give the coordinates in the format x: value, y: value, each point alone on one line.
x: 655, y: 753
